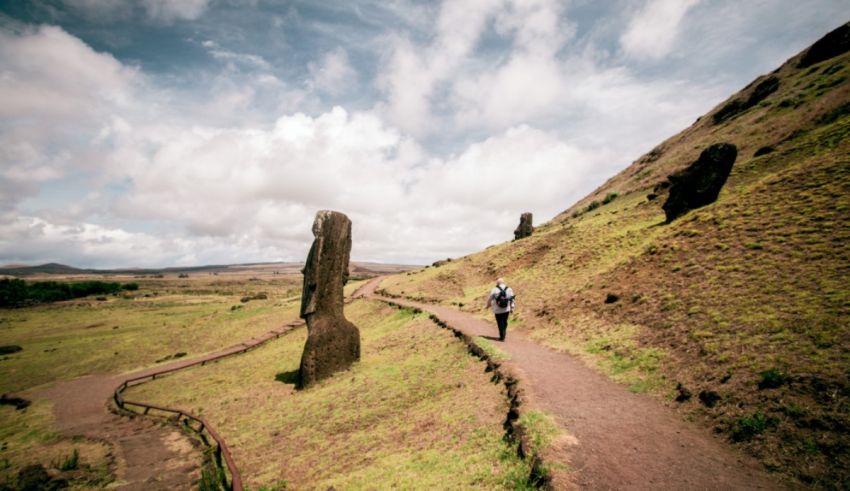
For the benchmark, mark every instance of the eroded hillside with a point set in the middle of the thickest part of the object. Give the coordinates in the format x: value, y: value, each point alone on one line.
x: 737, y: 312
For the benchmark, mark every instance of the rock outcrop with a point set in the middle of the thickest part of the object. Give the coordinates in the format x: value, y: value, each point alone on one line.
x: 333, y: 343
x: 700, y: 183
x: 833, y: 44
x: 525, y: 228
x: 737, y: 106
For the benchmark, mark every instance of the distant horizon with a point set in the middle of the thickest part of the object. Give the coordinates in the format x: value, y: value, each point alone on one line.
x: 190, y: 132
x: 129, y: 268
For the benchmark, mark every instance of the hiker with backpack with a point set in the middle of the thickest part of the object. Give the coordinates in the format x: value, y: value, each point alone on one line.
x: 501, y: 300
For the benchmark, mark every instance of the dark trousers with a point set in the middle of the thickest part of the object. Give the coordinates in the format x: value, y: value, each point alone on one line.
x: 502, y: 322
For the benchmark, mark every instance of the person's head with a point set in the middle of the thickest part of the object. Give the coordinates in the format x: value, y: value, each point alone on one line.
x: 500, y: 281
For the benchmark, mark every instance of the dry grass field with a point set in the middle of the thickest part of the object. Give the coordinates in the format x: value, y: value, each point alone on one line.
x: 416, y: 412
x: 166, y: 317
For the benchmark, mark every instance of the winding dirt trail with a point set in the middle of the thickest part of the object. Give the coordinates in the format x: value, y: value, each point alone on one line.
x: 622, y: 440
x: 146, y: 454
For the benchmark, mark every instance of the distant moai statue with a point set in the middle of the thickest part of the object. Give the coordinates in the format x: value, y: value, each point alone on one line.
x: 525, y: 228
x: 333, y: 343
x: 700, y: 183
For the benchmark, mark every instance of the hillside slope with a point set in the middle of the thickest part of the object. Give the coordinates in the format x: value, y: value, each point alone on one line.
x: 737, y: 312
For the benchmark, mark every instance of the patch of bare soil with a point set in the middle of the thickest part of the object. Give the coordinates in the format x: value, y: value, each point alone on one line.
x: 145, y: 453
x: 620, y: 440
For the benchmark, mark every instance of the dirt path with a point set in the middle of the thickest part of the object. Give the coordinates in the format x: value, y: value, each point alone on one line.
x: 148, y: 455
x: 624, y: 440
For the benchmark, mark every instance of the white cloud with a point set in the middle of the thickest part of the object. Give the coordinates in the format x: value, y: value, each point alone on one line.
x: 102, y: 164
x: 537, y: 25
x: 333, y: 73
x: 55, y: 91
x: 525, y: 87
x: 234, y: 59
x: 104, y: 10
x: 653, y: 30
x: 170, y: 10
x: 159, y: 11
x: 448, y: 78
x: 202, y: 176
x: 412, y: 73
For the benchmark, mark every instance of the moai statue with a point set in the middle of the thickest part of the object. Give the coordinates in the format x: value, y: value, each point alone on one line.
x: 333, y: 343
x: 524, y: 229
x: 700, y: 183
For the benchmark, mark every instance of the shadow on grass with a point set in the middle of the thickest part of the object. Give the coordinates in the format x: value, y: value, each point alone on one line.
x: 290, y: 377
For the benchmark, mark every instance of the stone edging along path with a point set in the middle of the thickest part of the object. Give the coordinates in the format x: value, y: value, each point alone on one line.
x: 616, y: 439
x: 514, y: 430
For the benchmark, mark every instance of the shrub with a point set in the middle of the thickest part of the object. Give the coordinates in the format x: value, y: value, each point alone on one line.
x: 609, y: 198
x: 592, y: 206
x: 771, y: 379
x: 748, y: 427
x: 835, y: 114
x: 16, y: 292
x: 70, y: 462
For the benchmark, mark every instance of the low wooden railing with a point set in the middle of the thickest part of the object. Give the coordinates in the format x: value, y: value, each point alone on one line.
x: 220, y: 449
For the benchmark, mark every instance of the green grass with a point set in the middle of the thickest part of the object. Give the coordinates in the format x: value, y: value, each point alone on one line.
x: 417, y: 412
x: 754, y: 281
x: 540, y: 429
x: 491, y: 349
x: 68, y: 339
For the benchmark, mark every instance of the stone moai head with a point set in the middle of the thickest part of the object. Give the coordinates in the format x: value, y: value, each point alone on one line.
x: 333, y: 343
x: 525, y: 227
x: 326, y: 270
x: 700, y: 183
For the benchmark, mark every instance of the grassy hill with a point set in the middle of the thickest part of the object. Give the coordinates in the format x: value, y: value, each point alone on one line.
x: 737, y: 312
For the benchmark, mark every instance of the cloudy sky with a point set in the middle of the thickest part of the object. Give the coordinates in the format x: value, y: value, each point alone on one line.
x: 185, y: 132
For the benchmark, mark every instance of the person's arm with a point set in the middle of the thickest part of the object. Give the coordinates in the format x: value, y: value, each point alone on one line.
x: 489, y: 300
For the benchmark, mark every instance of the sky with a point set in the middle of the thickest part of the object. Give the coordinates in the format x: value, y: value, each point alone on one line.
x: 154, y: 133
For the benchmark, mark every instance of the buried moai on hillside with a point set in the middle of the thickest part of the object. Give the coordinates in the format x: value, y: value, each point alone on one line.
x: 333, y: 343
x: 699, y: 184
x: 525, y: 228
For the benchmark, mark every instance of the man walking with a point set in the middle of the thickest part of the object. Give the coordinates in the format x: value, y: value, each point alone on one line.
x: 501, y: 300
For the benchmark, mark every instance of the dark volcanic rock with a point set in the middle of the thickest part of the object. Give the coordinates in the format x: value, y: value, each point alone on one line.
x: 700, y: 183
x: 611, y: 298
x: 9, y: 349
x: 833, y: 44
x: 764, y: 151
x: 683, y: 393
x: 333, y: 343
x: 525, y: 228
x: 19, y: 403
x: 709, y: 397
x: 737, y: 106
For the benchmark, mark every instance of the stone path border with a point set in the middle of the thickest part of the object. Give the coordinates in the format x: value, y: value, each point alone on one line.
x: 620, y: 440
